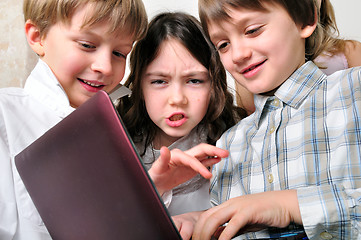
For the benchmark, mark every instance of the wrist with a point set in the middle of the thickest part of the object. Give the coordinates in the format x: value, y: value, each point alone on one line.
x: 155, y: 181
x: 291, y: 201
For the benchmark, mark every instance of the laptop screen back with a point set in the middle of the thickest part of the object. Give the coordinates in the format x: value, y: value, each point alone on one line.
x: 87, y: 181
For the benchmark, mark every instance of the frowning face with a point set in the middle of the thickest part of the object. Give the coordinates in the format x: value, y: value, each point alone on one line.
x: 176, y: 90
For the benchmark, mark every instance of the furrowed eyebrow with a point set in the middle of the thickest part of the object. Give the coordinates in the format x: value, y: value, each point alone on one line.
x: 196, y: 73
x: 158, y: 74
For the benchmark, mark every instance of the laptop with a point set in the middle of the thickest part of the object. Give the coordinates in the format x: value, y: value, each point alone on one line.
x: 87, y: 180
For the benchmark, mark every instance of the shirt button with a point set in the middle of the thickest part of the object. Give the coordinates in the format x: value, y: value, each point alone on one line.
x: 276, y: 103
x: 270, y: 178
x: 326, y: 235
x: 272, y: 130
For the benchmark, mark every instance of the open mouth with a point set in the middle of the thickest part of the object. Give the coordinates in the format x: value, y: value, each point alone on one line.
x: 253, y: 67
x: 176, y: 117
x: 91, y: 84
x: 176, y: 120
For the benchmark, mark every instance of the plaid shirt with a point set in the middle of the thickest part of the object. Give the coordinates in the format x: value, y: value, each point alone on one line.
x: 305, y: 137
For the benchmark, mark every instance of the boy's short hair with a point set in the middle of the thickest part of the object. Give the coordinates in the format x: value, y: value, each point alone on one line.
x: 128, y: 14
x: 303, y: 12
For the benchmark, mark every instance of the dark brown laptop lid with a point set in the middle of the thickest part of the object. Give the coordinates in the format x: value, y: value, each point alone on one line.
x: 87, y: 181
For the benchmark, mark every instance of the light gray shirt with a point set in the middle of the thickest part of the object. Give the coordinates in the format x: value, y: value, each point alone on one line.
x: 192, y: 195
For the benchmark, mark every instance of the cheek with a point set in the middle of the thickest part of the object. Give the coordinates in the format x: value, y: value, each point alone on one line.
x: 73, y: 66
x: 202, y: 99
x: 119, y: 72
x: 152, y: 104
x: 202, y: 102
x: 153, y: 110
x: 67, y: 71
x: 118, y: 76
x: 227, y: 62
x: 148, y: 97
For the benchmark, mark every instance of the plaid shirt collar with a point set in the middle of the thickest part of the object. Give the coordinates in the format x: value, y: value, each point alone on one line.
x: 294, y: 90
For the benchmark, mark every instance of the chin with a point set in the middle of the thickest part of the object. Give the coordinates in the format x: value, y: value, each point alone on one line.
x: 178, y: 134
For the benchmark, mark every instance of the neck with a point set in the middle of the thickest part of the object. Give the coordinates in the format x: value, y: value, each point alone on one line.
x: 163, y: 139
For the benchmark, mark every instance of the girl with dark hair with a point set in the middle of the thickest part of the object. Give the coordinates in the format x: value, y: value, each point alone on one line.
x: 179, y: 99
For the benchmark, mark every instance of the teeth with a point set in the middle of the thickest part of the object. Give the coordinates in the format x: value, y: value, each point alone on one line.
x: 250, y: 69
x: 176, y: 117
x: 92, y: 84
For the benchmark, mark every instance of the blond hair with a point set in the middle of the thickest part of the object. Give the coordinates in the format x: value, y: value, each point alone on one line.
x: 121, y: 14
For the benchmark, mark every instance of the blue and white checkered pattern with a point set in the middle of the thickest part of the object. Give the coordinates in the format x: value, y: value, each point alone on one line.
x: 305, y: 137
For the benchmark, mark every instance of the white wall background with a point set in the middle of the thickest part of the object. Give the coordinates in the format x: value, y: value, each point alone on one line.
x: 156, y: 6
x: 348, y: 18
x: 17, y: 59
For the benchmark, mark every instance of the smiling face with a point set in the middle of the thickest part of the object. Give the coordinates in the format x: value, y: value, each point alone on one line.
x: 176, y: 90
x: 261, y: 49
x: 85, y: 60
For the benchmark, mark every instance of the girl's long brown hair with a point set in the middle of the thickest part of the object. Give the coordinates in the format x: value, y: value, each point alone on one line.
x: 221, y: 114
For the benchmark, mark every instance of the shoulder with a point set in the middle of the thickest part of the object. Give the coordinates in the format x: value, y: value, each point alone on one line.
x: 342, y: 77
x: 353, y: 53
x: 236, y: 133
x: 342, y: 85
x: 12, y: 91
x: 18, y: 102
x: 15, y: 102
x: 11, y: 95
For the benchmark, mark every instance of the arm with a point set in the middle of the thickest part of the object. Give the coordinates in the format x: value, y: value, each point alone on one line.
x: 175, y: 167
x: 8, y: 211
x: 330, y: 209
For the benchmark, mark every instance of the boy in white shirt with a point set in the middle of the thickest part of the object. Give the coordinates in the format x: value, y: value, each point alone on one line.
x: 82, y: 46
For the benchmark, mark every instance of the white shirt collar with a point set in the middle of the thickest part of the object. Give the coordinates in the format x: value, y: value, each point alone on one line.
x: 44, y: 86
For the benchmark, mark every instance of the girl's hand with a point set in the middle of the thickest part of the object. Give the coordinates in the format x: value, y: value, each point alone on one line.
x: 273, y: 208
x: 175, y: 167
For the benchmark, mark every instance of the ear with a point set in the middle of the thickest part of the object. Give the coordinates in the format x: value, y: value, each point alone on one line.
x: 34, y: 38
x: 307, y: 30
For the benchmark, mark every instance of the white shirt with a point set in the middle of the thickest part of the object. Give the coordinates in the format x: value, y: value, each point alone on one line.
x: 25, y: 114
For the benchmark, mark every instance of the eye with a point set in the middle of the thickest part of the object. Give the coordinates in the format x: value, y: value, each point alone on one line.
x: 195, y: 81
x: 254, y: 31
x: 222, y: 46
x: 119, y: 54
x: 86, y: 46
x: 158, y: 82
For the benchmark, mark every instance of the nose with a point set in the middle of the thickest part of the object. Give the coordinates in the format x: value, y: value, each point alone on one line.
x: 102, y: 63
x: 240, y: 51
x: 177, y: 95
